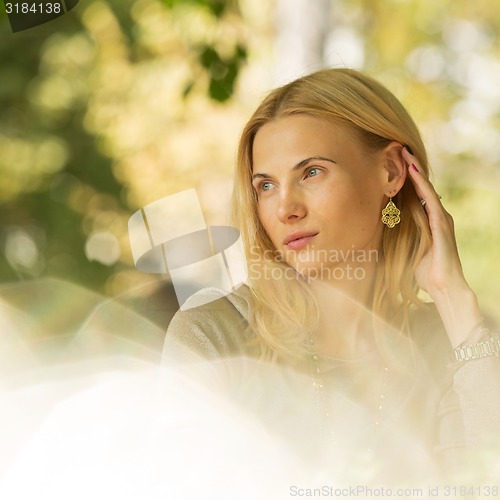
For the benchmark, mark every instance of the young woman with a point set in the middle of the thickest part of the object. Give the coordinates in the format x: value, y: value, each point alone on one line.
x: 342, y: 231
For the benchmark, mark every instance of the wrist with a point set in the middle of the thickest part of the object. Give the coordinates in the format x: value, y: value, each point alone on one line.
x: 461, y: 316
x: 457, y: 291
x: 487, y: 345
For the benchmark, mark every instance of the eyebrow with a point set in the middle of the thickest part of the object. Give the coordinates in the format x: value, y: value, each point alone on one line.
x: 299, y: 165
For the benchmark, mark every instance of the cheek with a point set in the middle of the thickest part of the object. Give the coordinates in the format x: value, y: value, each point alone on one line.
x: 264, y: 213
x: 351, y: 219
x: 335, y: 205
x: 366, y: 220
x: 370, y: 209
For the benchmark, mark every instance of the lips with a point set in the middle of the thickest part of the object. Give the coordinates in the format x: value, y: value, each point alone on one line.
x: 299, y: 239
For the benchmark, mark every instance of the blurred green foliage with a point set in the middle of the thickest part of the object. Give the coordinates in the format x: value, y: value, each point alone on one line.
x: 44, y: 96
x: 216, y: 7
x: 120, y: 102
x: 223, y: 71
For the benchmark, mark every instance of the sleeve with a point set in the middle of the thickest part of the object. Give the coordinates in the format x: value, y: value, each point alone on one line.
x: 216, y: 329
x: 208, y: 334
x: 467, y: 410
x: 476, y: 384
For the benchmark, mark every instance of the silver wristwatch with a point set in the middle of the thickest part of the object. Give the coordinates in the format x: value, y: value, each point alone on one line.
x: 488, y: 347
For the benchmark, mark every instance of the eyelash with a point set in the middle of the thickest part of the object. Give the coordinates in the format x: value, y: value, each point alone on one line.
x: 260, y: 185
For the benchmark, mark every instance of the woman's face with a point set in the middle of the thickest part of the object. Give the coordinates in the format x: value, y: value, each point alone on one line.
x: 320, y: 193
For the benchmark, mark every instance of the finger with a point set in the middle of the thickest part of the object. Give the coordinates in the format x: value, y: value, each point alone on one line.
x: 423, y: 187
x: 425, y: 191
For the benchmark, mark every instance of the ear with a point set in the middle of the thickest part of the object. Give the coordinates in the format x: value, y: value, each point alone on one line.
x: 395, y: 167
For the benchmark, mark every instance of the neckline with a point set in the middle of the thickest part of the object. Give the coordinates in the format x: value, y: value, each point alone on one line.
x: 328, y: 362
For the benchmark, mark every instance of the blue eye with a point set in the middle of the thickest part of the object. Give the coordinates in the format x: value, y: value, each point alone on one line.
x: 313, y: 172
x: 265, y: 186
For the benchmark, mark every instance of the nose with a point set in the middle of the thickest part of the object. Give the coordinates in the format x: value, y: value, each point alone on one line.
x: 291, y: 206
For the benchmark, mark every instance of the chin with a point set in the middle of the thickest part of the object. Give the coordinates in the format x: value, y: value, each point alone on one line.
x: 313, y: 270
x: 346, y: 272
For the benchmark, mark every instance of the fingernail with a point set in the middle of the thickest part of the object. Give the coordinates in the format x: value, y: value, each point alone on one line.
x: 414, y: 167
x: 408, y: 149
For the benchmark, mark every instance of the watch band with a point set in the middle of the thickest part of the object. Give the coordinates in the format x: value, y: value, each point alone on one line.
x: 488, y: 347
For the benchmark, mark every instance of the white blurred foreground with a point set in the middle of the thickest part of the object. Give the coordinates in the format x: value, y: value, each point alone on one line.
x: 87, y: 412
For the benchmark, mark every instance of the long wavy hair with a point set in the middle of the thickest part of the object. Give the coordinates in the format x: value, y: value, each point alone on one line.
x: 284, y: 312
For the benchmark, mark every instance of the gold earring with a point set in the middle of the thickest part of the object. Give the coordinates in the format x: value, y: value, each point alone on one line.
x: 390, y: 214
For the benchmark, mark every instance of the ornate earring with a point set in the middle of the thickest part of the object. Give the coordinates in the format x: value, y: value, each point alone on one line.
x: 390, y: 214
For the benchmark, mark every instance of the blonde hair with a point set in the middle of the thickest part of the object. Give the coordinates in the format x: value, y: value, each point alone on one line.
x: 284, y: 312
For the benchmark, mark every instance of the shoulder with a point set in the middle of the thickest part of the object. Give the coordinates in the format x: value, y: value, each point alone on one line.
x: 211, y: 324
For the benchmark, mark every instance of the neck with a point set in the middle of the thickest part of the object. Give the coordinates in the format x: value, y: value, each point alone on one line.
x: 345, y: 327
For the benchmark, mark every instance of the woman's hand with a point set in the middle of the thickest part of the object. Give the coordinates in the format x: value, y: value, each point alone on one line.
x: 440, y: 272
